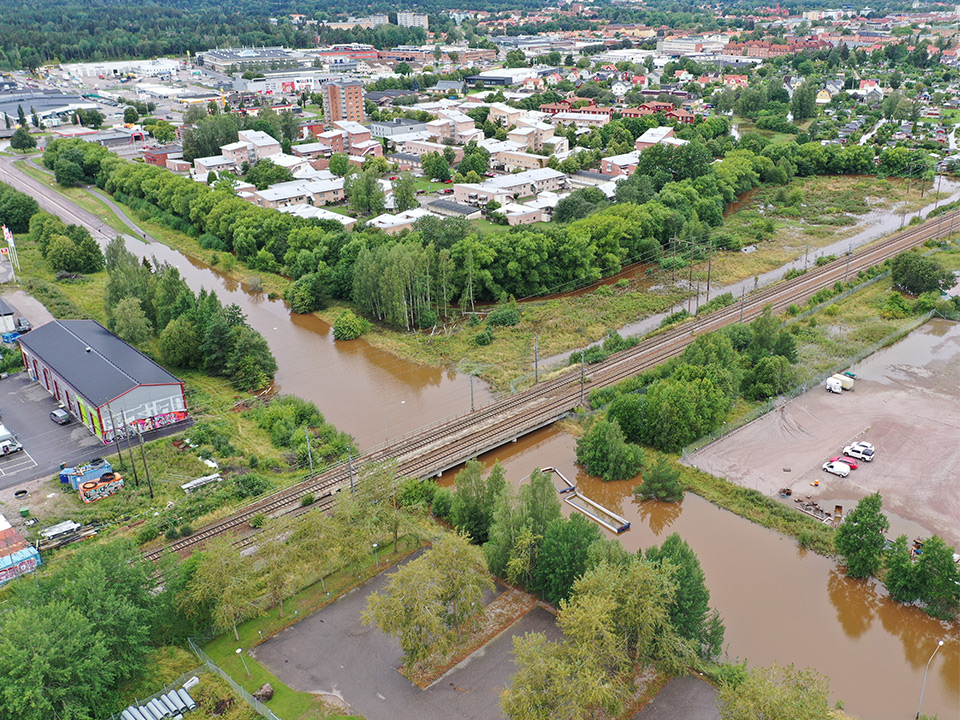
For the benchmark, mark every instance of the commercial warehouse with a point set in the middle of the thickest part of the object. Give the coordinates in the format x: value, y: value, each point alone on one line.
x: 99, y: 379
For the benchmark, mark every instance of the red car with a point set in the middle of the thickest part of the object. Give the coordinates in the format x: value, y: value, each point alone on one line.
x: 447, y: 182
x: 844, y: 459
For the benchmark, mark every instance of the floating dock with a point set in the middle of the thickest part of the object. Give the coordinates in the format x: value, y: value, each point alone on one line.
x: 593, y: 510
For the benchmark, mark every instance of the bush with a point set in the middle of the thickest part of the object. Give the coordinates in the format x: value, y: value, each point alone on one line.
x: 186, y: 530
x: 414, y: 491
x: 442, y: 503
x: 674, y: 318
x: 250, y: 485
x: 172, y: 533
x: 147, y: 533
x: 258, y: 520
x: 349, y: 326
x: 307, y: 500
x: 504, y: 316
x: 484, y: 337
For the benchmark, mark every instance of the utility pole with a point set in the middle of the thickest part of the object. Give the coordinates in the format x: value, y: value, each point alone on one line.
x: 698, y: 297
x: 709, y: 264
x: 146, y: 469
x: 690, y: 285
x: 742, y: 296
x: 471, y: 393
x: 350, y: 468
x: 849, y: 254
x: 116, y: 438
x: 536, y: 358
x: 306, y: 431
x: 126, y: 434
x: 582, y: 375
x: 673, y: 242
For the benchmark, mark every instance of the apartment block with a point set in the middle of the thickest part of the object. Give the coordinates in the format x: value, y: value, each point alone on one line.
x: 343, y: 100
x: 409, y: 19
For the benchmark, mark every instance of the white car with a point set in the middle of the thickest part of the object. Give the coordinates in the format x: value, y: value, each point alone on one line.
x: 860, y: 451
x: 840, y: 469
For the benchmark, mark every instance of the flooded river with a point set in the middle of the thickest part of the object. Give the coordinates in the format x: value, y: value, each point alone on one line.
x: 361, y: 389
x: 779, y: 602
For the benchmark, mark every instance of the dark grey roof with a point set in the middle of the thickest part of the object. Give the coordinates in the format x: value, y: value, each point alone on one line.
x: 448, y: 85
x: 109, y: 370
x: 6, y: 309
x: 453, y: 207
x: 407, y: 157
x: 591, y: 174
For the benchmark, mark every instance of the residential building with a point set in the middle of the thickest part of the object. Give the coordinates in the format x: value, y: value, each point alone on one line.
x: 160, y: 155
x: 449, y: 208
x: 396, y: 126
x: 202, y: 167
x: 653, y: 136
x: 513, y: 160
x: 301, y: 192
x: 223, y: 59
x: 343, y: 100
x: 454, y: 126
x: 411, y: 19
x: 616, y: 165
x: 506, y: 188
x: 392, y: 224
x: 101, y: 380
x: 310, y: 212
x: 581, y: 119
x: 422, y: 147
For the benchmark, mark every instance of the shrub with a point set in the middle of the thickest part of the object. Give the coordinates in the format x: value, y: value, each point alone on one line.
x: 442, y: 503
x: 186, y: 530
x: 674, y: 318
x: 250, y: 485
x: 172, y: 533
x: 414, y: 491
x: 147, y: 533
x: 504, y: 316
x: 307, y: 500
x: 484, y: 337
x: 258, y: 520
x: 349, y: 326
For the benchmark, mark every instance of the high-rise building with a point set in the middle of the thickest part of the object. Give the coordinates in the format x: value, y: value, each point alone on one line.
x: 343, y: 100
x: 409, y: 19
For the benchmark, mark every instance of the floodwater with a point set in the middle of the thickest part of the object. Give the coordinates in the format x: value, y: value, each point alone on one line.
x: 363, y: 390
x: 779, y: 602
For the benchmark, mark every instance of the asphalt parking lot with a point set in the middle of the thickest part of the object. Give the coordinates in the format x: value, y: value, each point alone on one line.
x: 25, y: 406
x: 331, y: 652
x: 683, y: 698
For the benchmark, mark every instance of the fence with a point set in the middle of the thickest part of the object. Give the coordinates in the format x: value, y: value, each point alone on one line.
x: 838, y: 297
x: 798, y: 390
x: 258, y: 706
x: 176, y: 684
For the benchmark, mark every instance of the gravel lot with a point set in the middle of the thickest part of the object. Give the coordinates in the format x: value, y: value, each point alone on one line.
x: 905, y: 403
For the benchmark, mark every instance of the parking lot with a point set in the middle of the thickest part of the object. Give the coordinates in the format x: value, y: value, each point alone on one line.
x: 905, y: 402
x: 332, y: 653
x: 25, y: 406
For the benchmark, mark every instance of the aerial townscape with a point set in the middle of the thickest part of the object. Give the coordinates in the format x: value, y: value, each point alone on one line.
x: 506, y: 360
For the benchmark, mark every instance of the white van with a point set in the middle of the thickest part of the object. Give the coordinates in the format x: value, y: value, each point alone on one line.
x: 8, y: 443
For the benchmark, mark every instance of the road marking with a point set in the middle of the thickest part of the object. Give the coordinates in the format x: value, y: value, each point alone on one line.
x: 22, y: 461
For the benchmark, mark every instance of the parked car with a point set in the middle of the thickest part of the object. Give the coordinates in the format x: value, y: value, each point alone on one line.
x: 60, y: 417
x: 864, y: 444
x: 848, y: 460
x: 837, y: 468
x: 23, y: 326
x: 860, y: 452
x: 447, y: 182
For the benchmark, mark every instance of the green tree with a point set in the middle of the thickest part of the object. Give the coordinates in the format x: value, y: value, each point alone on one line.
x: 435, y: 166
x: 129, y: 321
x: 277, y: 562
x: 265, y: 173
x: 179, y: 343
x: 861, y: 537
x: 130, y: 114
x: 68, y: 173
x: 771, y: 376
x: 92, y: 119
x: 804, y: 103
x: 339, y: 164
x: 900, y: 578
x: 16, y: 209
x: 403, y: 68
x: 690, y: 612
x: 937, y: 578
x: 364, y: 192
x: 604, y: 451
x: 661, y: 482
x: 22, y: 140
x: 516, y: 59
x: 224, y: 579
x: 404, y: 193
x: 426, y: 599
x: 563, y: 556
x: 776, y: 693
x: 474, y: 499
x: 309, y: 293
x: 916, y: 274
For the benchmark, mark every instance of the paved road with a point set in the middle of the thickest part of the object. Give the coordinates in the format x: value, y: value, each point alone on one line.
x: 331, y: 652
x: 683, y: 698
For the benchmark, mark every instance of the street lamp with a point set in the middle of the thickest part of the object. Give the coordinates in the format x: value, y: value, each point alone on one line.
x: 386, y: 413
x: 924, y: 685
x: 243, y: 660
x: 376, y: 557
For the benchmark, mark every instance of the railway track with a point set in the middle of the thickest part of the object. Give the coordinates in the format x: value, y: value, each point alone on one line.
x: 446, y: 443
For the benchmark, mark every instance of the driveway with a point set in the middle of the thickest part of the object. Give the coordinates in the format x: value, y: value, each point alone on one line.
x: 332, y: 652
x: 683, y: 698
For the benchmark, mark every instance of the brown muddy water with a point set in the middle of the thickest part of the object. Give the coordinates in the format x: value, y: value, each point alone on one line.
x: 779, y: 602
x: 361, y: 389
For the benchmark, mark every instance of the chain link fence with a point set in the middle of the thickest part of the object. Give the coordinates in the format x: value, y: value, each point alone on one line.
x: 798, y: 390
x: 258, y: 706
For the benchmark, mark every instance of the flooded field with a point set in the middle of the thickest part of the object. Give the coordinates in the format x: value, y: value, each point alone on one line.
x: 905, y: 402
x: 779, y: 602
x: 361, y: 389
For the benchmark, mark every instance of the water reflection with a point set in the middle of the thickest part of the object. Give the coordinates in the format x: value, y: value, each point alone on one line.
x: 779, y: 602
